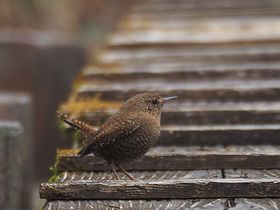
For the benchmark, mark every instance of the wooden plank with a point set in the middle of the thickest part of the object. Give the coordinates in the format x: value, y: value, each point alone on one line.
x: 244, y: 203
x: 182, y: 158
x: 196, y: 117
x: 192, y: 91
x: 178, y: 20
x: 263, y: 30
x: 69, y: 177
x: 220, y: 117
x: 197, y: 2
x: 226, y: 58
x: 207, y: 204
x: 157, y: 86
x: 178, y: 11
x: 266, y: 204
x: 167, y: 189
x: 128, y: 73
x: 204, y: 203
x: 209, y: 135
x: 178, y: 67
x: 255, y: 174
x: 149, y: 19
x: 196, y: 6
x: 130, y: 204
x: 252, y: 174
x: 226, y: 53
x: 216, y: 135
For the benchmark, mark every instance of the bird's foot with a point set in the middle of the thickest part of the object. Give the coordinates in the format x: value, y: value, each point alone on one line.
x: 126, y: 173
x: 114, y: 171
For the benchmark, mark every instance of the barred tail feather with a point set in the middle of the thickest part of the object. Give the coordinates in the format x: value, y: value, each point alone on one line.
x: 77, y: 124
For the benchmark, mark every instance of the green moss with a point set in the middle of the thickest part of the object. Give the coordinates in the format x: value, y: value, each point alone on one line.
x: 70, y: 133
x: 54, y: 170
x: 61, y: 126
x: 77, y: 138
x: 75, y: 108
x: 66, y: 152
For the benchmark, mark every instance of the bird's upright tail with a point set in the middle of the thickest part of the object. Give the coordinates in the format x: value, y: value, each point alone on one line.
x: 77, y: 124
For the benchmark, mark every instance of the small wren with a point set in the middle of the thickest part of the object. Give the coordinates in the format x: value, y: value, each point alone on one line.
x: 129, y: 133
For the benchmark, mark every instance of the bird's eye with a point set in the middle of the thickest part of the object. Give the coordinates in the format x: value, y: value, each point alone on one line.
x: 155, y: 101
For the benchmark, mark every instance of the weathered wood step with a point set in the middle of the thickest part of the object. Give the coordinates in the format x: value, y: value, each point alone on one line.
x: 165, y: 6
x: 223, y: 52
x: 245, y: 173
x: 156, y: 85
x: 70, y: 177
x: 182, y: 70
x: 184, y: 20
x: 226, y: 90
x: 179, y: 204
x: 180, y: 15
x: 198, y: 2
x: 167, y: 189
x: 181, y: 115
x: 219, y: 134
x: 220, y: 203
x: 206, y: 135
x: 251, y: 31
x: 179, y: 75
x: 192, y: 1
x: 180, y: 11
x: 198, y: 117
x: 183, y: 158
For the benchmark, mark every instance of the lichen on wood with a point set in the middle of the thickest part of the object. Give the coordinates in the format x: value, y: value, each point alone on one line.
x: 75, y: 108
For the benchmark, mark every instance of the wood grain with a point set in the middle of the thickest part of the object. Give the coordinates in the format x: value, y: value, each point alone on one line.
x: 167, y: 189
x: 198, y: 117
x: 181, y: 204
x: 183, y: 158
x: 67, y: 177
x: 258, y: 94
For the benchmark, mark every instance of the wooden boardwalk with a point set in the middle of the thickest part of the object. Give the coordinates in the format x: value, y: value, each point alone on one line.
x: 220, y: 142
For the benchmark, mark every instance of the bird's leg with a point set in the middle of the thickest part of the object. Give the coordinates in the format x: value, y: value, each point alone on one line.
x: 114, y: 171
x: 126, y: 173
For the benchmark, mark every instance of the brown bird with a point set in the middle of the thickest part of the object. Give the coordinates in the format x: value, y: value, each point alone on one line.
x: 129, y: 133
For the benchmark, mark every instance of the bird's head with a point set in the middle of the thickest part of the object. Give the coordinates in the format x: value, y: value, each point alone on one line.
x: 146, y: 102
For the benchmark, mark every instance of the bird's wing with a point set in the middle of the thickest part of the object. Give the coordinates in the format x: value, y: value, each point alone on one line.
x: 109, y: 132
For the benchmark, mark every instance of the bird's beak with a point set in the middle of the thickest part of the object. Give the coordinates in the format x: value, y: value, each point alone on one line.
x: 169, y: 98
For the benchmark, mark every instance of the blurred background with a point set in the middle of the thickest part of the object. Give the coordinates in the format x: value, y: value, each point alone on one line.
x: 43, y: 45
